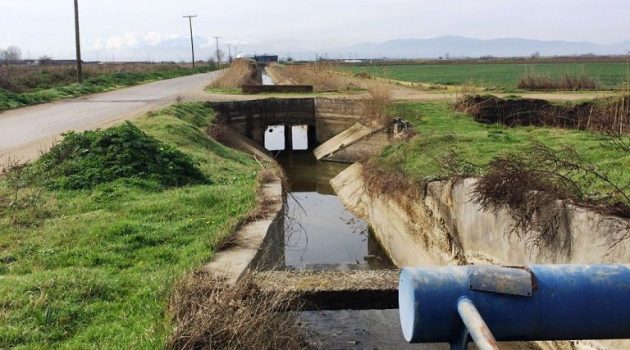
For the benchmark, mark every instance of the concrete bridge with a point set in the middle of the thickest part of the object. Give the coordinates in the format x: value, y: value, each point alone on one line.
x: 310, y: 121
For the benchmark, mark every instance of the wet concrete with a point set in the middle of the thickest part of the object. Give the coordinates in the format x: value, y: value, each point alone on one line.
x: 359, y: 329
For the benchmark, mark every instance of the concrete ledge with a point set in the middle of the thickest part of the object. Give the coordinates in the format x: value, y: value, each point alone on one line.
x: 236, y: 261
x: 335, y: 290
x: 284, y: 89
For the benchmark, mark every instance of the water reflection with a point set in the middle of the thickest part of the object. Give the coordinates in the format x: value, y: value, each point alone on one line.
x: 266, y: 79
x: 319, y: 233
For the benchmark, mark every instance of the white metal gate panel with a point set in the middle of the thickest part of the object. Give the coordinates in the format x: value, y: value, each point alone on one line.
x: 274, y: 138
x: 299, y: 137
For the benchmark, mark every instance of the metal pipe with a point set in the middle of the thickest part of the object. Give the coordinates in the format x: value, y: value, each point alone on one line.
x: 540, y: 302
x: 475, y: 325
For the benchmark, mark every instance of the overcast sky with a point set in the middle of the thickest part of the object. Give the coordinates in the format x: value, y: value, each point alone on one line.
x: 114, y: 27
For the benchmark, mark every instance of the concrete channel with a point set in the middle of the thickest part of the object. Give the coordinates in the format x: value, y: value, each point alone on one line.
x: 314, y: 245
x: 340, y: 246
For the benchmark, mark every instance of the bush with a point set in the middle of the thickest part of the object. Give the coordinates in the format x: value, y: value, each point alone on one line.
x: 84, y: 160
x: 609, y: 114
x: 534, y: 186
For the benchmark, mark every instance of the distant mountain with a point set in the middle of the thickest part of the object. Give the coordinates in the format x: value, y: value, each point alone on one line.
x: 456, y: 46
x: 178, y: 48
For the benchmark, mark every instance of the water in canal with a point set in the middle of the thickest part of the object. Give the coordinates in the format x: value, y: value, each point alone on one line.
x: 319, y: 232
x: 266, y: 79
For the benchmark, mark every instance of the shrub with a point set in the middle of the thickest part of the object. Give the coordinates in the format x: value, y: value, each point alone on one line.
x: 84, y: 160
x: 379, y: 104
x: 609, y: 115
x: 534, y: 186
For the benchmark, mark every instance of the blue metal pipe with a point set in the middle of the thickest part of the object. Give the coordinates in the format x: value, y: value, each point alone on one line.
x: 541, y: 302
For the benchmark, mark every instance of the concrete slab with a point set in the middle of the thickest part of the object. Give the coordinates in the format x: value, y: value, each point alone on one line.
x: 335, y: 290
x: 354, y: 134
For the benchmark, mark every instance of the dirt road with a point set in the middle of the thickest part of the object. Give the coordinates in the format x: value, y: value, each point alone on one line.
x: 25, y: 132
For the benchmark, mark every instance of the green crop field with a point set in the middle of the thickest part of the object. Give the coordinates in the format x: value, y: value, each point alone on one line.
x: 500, y: 76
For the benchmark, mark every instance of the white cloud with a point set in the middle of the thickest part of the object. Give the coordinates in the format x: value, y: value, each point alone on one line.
x: 131, y: 40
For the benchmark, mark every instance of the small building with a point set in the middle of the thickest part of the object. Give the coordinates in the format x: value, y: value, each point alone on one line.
x: 266, y: 58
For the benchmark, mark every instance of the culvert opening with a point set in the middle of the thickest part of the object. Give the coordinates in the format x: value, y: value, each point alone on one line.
x: 290, y: 138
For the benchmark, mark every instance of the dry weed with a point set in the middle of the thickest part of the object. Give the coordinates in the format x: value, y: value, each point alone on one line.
x: 25, y: 78
x: 212, y: 315
x: 535, y: 186
x: 393, y: 184
x: 241, y: 72
x: 566, y: 82
x: 378, y: 106
x: 22, y: 195
x: 324, y: 77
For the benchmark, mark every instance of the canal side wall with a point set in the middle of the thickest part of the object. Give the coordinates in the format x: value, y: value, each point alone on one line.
x: 447, y: 227
x: 258, y: 242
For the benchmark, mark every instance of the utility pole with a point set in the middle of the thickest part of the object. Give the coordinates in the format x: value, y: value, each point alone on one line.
x: 78, y: 42
x: 192, y: 41
x: 229, y: 53
x: 216, y: 38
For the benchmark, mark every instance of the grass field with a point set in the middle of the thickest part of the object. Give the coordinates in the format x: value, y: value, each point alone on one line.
x: 441, y: 130
x: 497, y: 76
x: 93, y: 269
x: 40, y: 86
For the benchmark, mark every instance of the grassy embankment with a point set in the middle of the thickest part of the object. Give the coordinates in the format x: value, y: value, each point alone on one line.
x: 506, y: 76
x: 19, y: 88
x: 441, y: 131
x: 92, y: 268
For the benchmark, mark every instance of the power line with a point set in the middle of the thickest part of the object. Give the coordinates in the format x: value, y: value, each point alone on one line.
x: 77, y: 37
x: 192, y: 41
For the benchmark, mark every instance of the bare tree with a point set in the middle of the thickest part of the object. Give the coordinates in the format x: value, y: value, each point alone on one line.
x: 45, y: 60
x: 11, y: 54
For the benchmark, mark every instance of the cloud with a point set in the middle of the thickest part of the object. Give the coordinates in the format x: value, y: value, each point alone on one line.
x: 131, y: 40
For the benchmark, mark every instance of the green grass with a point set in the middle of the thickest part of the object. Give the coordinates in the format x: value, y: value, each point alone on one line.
x: 441, y: 129
x: 100, y: 83
x: 496, y: 76
x: 96, y: 271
